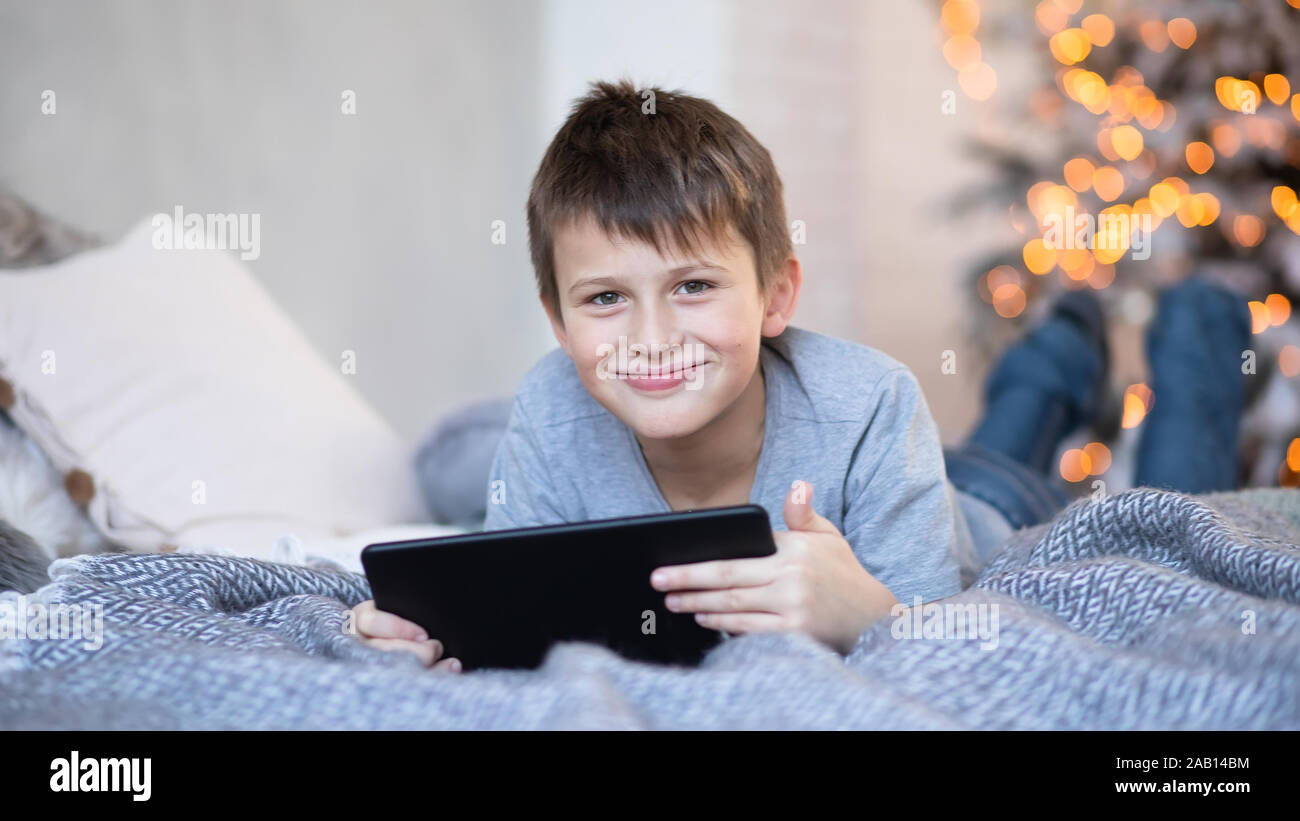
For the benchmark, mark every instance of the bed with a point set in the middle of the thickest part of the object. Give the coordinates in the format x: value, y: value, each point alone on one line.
x: 1143, y: 610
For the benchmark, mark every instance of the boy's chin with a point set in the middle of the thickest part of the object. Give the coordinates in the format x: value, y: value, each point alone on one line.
x: 664, y: 422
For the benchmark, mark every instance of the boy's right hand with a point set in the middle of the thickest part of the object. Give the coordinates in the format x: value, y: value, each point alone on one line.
x: 386, y: 631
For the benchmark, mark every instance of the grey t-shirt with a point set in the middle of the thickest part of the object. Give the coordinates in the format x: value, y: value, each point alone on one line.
x: 845, y: 417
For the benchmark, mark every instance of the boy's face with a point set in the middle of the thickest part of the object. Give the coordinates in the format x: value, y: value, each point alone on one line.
x: 628, y: 313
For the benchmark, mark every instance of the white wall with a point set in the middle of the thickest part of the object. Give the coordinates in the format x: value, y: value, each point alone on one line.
x: 376, y: 227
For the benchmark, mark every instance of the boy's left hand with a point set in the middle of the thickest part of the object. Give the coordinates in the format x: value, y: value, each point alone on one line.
x: 813, y: 584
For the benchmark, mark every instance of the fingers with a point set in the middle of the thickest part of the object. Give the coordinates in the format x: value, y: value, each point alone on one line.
x: 448, y: 665
x: 731, y: 600
x: 714, y: 575
x: 386, y: 631
x: 742, y: 622
x: 428, y: 652
x: 798, y: 511
x: 374, y: 623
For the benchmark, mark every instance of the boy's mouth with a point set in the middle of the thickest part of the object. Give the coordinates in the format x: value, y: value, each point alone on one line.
x: 674, y: 373
x: 659, y: 381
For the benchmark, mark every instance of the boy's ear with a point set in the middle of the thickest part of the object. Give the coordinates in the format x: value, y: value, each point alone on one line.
x: 782, y: 297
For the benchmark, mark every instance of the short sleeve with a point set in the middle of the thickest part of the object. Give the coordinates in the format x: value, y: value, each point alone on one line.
x: 900, y: 510
x: 520, y: 490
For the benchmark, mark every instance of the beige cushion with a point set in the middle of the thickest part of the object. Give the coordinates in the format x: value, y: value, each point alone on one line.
x: 186, y: 409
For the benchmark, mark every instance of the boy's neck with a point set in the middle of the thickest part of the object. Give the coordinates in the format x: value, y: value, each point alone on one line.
x: 717, y: 463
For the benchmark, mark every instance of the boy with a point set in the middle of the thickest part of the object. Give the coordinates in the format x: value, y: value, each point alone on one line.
x: 663, y: 260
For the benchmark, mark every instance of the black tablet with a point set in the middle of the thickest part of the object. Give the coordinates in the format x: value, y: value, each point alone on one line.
x: 502, y: 598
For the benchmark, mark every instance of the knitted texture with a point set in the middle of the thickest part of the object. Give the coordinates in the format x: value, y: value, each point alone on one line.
x: 1145, y: 609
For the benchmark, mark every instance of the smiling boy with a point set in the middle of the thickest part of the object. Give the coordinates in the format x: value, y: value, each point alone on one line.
x: 666, y: 231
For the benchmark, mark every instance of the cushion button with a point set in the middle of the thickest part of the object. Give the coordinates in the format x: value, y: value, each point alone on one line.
x: 7, y: 395
x: 80, y: 486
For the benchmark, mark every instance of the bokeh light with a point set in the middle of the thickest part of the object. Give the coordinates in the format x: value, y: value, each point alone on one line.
x: 1248, y: 230
x: 1138, y: 401
x: 1009, y: 300
x: 1075, y: 465
x: 1258, y: 316
x: 1288, y: 361
x: 1277, y: 89
x: 1098, y: 457
x: 1099, y: 28
x: 1182, y: 32
x: 1039, y: 259
x: 978, y: 80
x: 1108, y: 182
x: 1279, y: 309
x: 1070, y: 46
x: 1200, y: 157
x: 1283, y: 200
x: 1078, y: 173
x: 1127, y: 141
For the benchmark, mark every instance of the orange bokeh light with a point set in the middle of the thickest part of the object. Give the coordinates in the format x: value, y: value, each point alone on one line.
x: 1182, y: 32
x: 1101, y: 276
x: 1050, y: 17
x: 1099, y: 28
x: 1078, y: 174
x: 1258, y: 316
x: 1127, y: 141
x: 1070, y: 45
x: 1154, y: 35
x: 1164, y: 199
x: 1226, y: 139
x: 960, y: 16
x: 1200, y: 157
x: 1009, y: 300
x: 1138, y: 400
x: 1075, y: 465
x: 978, y: 80
x: 1108, y: 182
x: 961, y: 50
x: 1288, y: 361
x: 1099, y: 456
x: 1277, y: 89
x: 1279, y: 309
x: 1237, y: 95
x: 1283, y: 200
x: 1039, y: 259
x: 1248, y: 230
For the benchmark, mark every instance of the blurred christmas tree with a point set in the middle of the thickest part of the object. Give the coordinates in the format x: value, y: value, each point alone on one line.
x: 1181, y: 116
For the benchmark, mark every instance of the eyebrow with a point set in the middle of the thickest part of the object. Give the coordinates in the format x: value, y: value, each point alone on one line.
x: 679, y: 270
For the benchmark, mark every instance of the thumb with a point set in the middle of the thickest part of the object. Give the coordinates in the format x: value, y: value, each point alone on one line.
x: 799, y: 513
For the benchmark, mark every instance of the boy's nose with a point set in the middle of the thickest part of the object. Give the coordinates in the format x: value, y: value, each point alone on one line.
x: 657, y: 327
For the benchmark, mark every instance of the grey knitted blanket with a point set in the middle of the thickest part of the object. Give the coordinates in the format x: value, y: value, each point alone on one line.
x: 1143, y: 610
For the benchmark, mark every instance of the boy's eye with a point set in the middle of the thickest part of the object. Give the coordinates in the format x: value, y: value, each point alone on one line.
x: 599, y: 299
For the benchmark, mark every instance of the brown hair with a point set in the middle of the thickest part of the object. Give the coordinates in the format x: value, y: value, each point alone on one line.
x: 666, y: 169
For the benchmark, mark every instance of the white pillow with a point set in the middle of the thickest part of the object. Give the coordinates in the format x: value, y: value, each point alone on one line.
x: 185, y: 407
